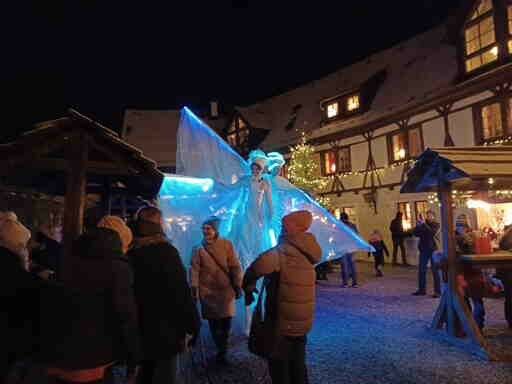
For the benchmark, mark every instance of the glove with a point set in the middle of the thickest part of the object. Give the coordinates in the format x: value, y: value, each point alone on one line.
x: 238, y: 292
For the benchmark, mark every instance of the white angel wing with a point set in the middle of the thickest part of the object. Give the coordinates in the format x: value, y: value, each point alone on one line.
x: 203, y: 153
x: 334, y: 237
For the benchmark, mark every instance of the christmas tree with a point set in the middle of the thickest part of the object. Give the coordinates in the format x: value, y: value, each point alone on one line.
x: 303, y: 171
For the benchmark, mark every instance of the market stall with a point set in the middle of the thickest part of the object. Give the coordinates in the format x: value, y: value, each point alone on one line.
x: 448, y: 171
x: 74, y: 157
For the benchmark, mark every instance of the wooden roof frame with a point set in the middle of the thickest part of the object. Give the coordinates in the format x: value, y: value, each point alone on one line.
x: 62, y: 151
x: 441, y: 170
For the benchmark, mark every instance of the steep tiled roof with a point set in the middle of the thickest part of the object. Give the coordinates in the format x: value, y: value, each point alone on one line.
x: 415, y: 70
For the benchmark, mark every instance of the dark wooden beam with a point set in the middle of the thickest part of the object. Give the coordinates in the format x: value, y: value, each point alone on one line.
x: 92, y: 167
x: 74, y: 203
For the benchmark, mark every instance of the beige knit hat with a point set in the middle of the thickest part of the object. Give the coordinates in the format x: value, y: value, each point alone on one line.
x: 13, y: 235
x: 117, y: 224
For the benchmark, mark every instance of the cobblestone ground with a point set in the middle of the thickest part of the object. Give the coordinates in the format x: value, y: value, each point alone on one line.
x: 377, y: 333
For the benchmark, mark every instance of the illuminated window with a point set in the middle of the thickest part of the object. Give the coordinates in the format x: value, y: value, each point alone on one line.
x: 420, y: 209
x: 332, y: 110
x: 344, y: 164
x: 399, y: 146
x: 480, y: 37
x: 353, y: 103
x: 329, y: 163
x: 284, y: 171
x: 238, y: 134
x: 405, y: 144
x: 350, y: 211
x: 492, y: 121
x: 405, y: 208
x: 484, y: 7
x: 335, y: 161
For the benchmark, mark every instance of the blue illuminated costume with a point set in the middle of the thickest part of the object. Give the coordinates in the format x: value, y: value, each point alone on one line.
x: 214, y: 180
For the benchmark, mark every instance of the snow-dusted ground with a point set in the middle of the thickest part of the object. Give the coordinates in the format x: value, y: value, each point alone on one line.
x: 378, y: 333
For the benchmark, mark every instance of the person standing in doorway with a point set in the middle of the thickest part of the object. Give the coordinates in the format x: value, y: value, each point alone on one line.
x: 348, y: 264
x: 397, y: 235
x: 428, y: 233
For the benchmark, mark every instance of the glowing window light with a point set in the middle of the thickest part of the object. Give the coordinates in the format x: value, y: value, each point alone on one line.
x: 400, y: 154
x: 471, y: 203
x: 494, y: 51
x: 332, y: 110
x: 353, y: 103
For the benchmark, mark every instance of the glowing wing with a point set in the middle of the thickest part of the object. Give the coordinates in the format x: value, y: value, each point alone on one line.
x: 334, y: 237
x: 203, y: 153
x: 186, y: 202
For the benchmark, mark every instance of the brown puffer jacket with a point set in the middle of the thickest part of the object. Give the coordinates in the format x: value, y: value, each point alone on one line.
x: 294, y: 259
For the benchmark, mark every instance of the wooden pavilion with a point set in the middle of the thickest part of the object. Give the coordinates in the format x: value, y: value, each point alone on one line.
x: 471, y: 169
x: 74, y: 156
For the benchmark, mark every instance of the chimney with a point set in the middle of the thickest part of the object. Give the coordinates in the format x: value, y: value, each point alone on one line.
x: 214, y: 109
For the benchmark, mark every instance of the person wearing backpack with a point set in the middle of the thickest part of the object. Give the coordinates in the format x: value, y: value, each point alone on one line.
x: 216, y: 279
x: 289, y: 271
x: 428, y: 233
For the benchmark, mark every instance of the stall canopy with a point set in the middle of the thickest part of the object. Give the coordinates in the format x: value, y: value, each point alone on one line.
x: 462, y: 167
x: 73, y: 156
x: 40, y: 158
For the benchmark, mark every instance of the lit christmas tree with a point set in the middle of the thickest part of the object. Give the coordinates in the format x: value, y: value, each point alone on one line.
x: 303, y: 171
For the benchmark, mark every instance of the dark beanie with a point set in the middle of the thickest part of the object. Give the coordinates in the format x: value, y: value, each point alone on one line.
x: 213, y: 221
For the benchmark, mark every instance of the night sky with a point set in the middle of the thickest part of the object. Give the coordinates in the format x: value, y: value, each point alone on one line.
x: 103, y: 56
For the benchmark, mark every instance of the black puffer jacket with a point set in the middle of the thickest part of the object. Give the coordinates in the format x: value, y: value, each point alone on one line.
x: 166, y: 309
x: 19, y: 302
x: 93, y: 321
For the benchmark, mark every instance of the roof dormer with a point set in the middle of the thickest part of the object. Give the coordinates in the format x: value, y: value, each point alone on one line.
x: 485, y: 39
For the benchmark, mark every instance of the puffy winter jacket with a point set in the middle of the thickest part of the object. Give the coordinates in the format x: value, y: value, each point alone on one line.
x: 292, y: 305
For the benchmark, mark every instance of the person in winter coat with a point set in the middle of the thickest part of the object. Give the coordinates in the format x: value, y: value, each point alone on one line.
x: 290, y: 304
x: 348, y: 264
x: 18, y: 295
x: 397, y: 235
x: 92, y: 323
x: 166, y: 310
x: 428, y: 233
x: 216, y: 279
x: 380, y: 247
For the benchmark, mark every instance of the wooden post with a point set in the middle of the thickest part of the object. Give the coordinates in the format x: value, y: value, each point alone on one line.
x: 445, y: 197
x: 74, y: 204
x: 107, y: 197
x: 452, y: 308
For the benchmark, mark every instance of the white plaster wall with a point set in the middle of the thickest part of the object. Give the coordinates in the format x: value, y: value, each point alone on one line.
x: 433, y: 133
x: 461, y: 127
x: 380, y: 151
x: 359, y: 156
